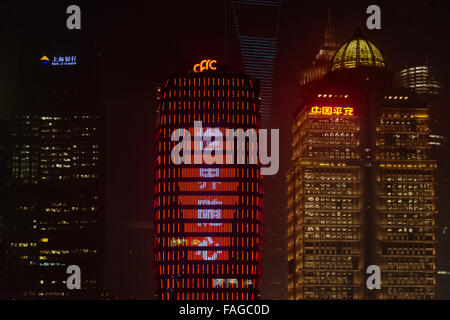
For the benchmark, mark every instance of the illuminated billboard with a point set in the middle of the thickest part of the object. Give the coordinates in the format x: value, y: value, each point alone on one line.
x: 332, y: 111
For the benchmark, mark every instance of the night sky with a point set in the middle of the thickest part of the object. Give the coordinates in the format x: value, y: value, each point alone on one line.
x: 143, y: 42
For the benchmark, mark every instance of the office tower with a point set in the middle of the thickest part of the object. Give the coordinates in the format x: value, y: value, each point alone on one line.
x: 361, y: 190
x: 4, y: 213
x: 323, y: 58
x: 207, y: 218
x: 56, y: 205
x: 57, y: 179
x: 406, y: 201
x: 425, y: 80
x: 323, y: 232
x: 257, y: 24
x: 422, y: 79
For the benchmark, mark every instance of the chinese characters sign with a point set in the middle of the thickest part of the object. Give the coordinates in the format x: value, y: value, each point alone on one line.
x: 208, y: 210
x: 60, y: 61
x: 332, y: 111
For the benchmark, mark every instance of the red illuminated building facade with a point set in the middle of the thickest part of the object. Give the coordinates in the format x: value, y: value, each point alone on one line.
x: 207, y: 217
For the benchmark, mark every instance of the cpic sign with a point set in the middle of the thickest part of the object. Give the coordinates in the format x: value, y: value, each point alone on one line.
x: 205, y: 65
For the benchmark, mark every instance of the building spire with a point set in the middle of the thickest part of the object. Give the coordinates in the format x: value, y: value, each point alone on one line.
x: 330, y: 39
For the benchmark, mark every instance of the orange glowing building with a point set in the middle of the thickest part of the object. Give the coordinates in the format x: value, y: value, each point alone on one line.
x: 207, y: 218
x: 362, y: 188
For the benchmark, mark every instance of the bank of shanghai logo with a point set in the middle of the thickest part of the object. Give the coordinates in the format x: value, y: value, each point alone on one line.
x: 45, y: 60
x: 60, y: 60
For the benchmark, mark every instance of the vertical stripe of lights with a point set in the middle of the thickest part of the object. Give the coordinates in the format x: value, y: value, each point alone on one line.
x: 259, y: 53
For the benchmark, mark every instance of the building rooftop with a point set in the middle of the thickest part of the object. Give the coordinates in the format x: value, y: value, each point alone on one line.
x: 358, y: 52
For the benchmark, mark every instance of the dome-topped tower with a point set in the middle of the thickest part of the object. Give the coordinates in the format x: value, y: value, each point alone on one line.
x: 358, y: 52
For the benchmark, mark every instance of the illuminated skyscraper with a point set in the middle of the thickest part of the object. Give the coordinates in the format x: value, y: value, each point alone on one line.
x: 207, y: 218
x: 362, y: 188
x: 257, y: 24
x: 423, y: 79
x: 57, y: 207
x: 57, y: 175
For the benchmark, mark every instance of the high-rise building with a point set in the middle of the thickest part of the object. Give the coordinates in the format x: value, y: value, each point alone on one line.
x: 207, y: 217
x: 362, y: 187
x: 57, y: 174
x: 257, y: 25
x: 57, y: 205
x: 426, y: 80
x: 322, y: 60
x: 422, y: 79
x: 4, y: 212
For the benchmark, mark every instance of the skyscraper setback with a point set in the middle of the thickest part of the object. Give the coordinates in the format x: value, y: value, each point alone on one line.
x: 207, y: 218
x: 362, y: 188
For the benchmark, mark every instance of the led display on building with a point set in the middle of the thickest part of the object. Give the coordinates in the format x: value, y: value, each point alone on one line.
x: 207, y: 216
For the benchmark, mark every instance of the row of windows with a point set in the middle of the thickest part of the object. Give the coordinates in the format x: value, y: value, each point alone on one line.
x: 208, y: 93
x: 206, y: 174
x: 333, y: 141
x: 202, y: 269
x: 331, y: 175
x: 333, y: 124
x: 169, y: 201
x: 329, y: 218
x: 202, y: 295
x: 214, y: 81
x: 329, y: 292
x: 401, y: 127
x: 237, y: 214
x: 210, y: 119
x: 345, y: 265
x: 187, y: 106
x: 335, y: 233
x: 412, y: 251
x: 328, y: 278
x: 208, y: 283
x: 404, y: 177
x: 406, y: 154
x: 331, y: 189
x: 410, y: 264
x: 330, y: 250
x: 58, y: 208
x: 207, y: 227
x: 186, y: 241
x: 408, y: 222
x: 410, y: 235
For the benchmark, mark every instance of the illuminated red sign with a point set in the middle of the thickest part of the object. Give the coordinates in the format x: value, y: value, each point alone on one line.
x: 332, y: 111
x: 207, y: 255
x: 205, y: 65
x: 220, y: 186
x: 193, y: 213
x: 206, y: 207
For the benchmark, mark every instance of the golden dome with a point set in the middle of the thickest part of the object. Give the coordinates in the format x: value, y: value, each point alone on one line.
x: 356, y: 53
